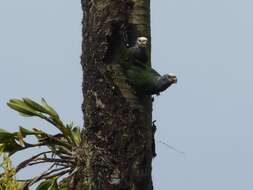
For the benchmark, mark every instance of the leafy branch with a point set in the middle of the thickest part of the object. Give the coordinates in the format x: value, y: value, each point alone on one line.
x: 62, y: 147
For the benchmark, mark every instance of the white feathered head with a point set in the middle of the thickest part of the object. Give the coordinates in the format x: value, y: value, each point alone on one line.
x: 142, y: 42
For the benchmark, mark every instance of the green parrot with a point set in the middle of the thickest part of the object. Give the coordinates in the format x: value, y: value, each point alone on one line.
x: 140, y: 75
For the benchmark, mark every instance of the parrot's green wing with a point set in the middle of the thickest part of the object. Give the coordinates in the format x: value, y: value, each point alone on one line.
x: 143, y: 78
x: 140, y: 75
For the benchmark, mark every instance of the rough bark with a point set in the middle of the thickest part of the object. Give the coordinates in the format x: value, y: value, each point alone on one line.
x: 117, y: 146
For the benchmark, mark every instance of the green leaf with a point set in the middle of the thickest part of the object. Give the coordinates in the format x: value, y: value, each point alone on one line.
x: 29, y: 108
x: 10, y: 148
x: 54, y: 185
x: 55, y: 118
x: 24, y: 115
x: 75, y: 134
x: 63, y: 184
x: 49, y: 109
x: 8, y: 141
x: 44, y: 185
x: 8, y: 179
x: 6, y: 136
x: 13, y: 142
x: 34, y: 105
x: 2, y: 146
x: 59, y: 124
x: 24, y: 132
x: 20, y: 139
x: 50, y: 184
x: 22, y: 107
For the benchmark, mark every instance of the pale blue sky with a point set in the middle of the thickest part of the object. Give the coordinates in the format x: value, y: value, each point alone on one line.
x: 207, y: 43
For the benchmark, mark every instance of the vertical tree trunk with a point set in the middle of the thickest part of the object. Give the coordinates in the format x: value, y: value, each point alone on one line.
x: 117, y: 147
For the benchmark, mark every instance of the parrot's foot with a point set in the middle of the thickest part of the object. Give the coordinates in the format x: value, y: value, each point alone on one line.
x: 165, y: 81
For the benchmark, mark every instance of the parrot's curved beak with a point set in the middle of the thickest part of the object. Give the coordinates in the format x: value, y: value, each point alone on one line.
x: 172, y: 77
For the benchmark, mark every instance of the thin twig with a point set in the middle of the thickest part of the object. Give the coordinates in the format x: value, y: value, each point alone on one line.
x: 55, y: 160
x: 58, y: 174
x: 64, y: 156
x: 46, y: 175
x: 49, y: 161
x: 26, y: 162
x: 73, y: 172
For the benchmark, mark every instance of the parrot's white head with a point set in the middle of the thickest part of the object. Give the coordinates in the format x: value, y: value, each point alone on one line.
x: 142, y: 42
x: 172, y: 78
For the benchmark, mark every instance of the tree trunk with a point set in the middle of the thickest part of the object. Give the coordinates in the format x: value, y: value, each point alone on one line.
x: 117, y: 145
